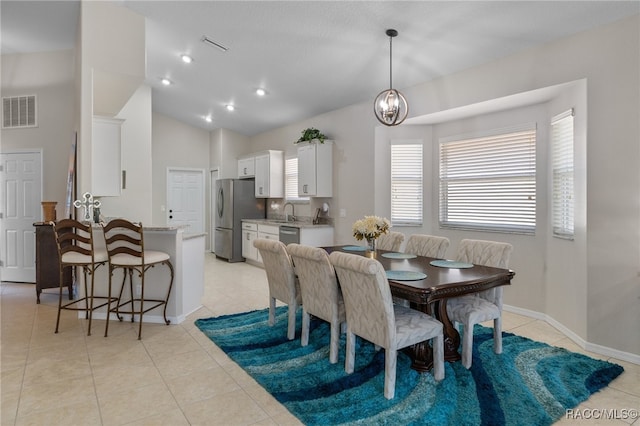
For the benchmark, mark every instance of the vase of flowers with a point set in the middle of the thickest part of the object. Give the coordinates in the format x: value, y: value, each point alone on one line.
x: 370, y: 228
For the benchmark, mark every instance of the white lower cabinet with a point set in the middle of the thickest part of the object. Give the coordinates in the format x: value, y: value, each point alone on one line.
x: 268, y: 232
x: 249, y: 234
x: 316, y: 237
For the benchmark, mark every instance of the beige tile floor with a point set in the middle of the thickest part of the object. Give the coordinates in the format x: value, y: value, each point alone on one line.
x: 175, y: 375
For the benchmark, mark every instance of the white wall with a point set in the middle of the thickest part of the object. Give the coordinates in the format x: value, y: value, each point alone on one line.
x: 176, y: 145
x: 134, y: 202
x: 49, y: 76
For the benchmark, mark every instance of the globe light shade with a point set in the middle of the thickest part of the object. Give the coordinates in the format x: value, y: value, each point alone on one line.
x: 390, y: 107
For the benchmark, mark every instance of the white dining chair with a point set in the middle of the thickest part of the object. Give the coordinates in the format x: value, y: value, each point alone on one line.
x: 427, y: 246
x: 321, y: 295
x: 472, y: 309
x: 372, y: 316
x: 283, y: 283
x: 390, y: 241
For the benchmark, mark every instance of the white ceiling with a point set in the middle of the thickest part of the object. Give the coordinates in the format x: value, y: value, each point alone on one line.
x: 310, y: 56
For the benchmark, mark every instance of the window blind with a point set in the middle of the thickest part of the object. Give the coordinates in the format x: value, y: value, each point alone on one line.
x: 563, y: 172
x: 291, y: 179
x: 489, y: 183
x: 406, y: 184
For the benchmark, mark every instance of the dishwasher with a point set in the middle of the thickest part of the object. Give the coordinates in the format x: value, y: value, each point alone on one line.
x: 289, y: 234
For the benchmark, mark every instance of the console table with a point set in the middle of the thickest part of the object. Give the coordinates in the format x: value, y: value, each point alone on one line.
x: 47, y: 266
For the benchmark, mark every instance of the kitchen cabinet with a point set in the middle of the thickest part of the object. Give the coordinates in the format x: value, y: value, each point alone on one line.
x: 269, y: 174
x: 246, y: 167
x: 315, y: 169
x: 106, y: 163
x: 316, y: 236
x: 249, y: 235
x: 268, y: 232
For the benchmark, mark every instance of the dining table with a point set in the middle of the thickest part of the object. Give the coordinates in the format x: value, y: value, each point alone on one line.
x: 427, y: 283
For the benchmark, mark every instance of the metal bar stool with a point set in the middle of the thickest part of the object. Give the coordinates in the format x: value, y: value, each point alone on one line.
x: 75, y: 249
x: 125, y: 248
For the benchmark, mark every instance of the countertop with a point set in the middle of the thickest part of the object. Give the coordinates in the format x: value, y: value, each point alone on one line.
x: 296, y: 224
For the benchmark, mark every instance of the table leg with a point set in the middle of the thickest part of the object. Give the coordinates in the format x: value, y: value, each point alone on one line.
x: 451, y: 335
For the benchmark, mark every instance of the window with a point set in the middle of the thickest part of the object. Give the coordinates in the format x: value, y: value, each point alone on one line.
x: 291, y: 180
x: 489, y: 183
x: 406, y: 183
x: 562, y: 163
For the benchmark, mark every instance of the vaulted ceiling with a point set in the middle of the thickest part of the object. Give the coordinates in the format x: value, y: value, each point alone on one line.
x: 310, y: 56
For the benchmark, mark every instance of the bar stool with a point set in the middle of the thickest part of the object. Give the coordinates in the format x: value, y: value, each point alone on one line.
x: 75, y: 248
x: 125, y: 248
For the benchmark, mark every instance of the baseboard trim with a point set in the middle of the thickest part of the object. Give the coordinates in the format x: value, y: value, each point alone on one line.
x: 591, y: 347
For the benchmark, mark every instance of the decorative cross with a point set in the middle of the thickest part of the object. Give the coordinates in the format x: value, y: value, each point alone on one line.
x: 88, y: 205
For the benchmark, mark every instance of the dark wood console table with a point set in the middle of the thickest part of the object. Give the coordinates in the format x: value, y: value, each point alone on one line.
x: 47, y: 266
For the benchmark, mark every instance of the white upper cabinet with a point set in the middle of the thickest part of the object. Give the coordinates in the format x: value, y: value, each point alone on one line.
x: 269, y: 174
x: 246, y: 167
x: 106, y: 164
x: 315, y: 169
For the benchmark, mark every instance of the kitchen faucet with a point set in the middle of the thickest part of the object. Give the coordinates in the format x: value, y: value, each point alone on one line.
x: 286, y: 215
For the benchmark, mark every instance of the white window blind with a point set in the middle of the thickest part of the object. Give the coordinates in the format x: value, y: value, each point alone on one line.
x: 406, y: 184
x: 291, y: 179
x: 562, y: 163
x: 489, y: 183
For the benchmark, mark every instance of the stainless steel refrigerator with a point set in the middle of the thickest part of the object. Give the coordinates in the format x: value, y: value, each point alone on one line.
x: 235, y: 200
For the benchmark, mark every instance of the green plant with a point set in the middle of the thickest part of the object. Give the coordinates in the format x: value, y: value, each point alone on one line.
x: 310, y: 134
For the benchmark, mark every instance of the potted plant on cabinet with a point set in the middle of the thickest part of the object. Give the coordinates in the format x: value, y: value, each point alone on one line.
x: 310, y: 134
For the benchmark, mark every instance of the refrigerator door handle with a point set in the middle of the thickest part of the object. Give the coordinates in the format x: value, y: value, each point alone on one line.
x: 220, y: 202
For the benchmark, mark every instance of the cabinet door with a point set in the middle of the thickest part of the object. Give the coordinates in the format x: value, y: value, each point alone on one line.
x: 246, y: 167
x: 266, y: 236
x: 307, y: 170
x: 105, y: 157
x: 248, y: 250
x: 262, y: 176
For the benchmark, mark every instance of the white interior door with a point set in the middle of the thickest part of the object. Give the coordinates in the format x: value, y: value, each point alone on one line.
x: 21, y: 177
x: 185, y: 199
x: 215, y: 174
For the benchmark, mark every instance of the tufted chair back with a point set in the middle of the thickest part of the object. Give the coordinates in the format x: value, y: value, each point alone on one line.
x: 427, y: 246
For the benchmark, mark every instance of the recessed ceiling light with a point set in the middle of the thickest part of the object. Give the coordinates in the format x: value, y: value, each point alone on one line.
x: 208, y: 119
x: 166, y: 81
x: 261, y: 92
x: 186, y: 58
x: 230, y: 107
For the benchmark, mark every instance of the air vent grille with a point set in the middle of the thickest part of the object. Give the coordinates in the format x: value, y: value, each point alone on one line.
x: 19, y: 111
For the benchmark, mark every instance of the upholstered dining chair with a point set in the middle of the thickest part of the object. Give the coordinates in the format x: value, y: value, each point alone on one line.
x: 283, y: 284
x: 126, y: 250
x: 427, y: 246
x: 372, y: 316
x: 321, y: 295
x: 472, y: 309
x: 76, y: 249
x: 390, y: 241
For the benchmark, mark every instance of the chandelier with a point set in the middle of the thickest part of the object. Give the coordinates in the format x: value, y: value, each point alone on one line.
x: 390, y: 106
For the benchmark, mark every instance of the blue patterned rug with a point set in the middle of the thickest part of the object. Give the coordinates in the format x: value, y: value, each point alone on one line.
x: 530, y: 383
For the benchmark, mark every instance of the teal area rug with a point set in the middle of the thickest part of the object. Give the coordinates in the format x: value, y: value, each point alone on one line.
x: 530, y: 383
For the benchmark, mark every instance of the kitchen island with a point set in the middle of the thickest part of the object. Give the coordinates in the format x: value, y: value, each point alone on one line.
x: 186, y: 252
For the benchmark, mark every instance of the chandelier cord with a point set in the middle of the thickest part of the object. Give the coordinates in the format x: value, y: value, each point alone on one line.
x: 390, y: 63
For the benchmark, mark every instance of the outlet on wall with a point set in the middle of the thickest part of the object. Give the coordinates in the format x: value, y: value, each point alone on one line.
x: 343, y: 212
x: 138, y: 289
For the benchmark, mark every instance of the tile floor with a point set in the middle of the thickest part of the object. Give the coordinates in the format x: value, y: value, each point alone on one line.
x: 175, y: 375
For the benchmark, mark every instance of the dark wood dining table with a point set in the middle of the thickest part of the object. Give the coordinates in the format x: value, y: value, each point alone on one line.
x: 430, y: 294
